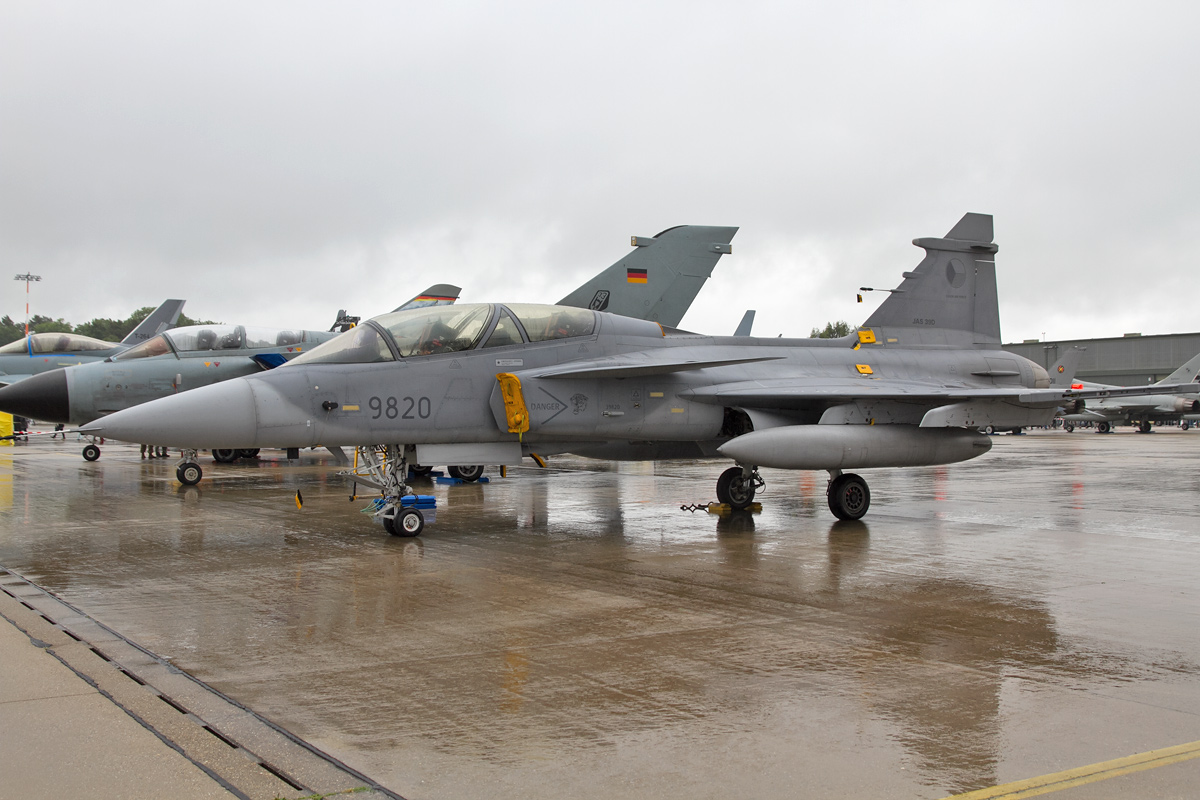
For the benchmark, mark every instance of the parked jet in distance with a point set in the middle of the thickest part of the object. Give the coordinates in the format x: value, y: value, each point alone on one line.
x: 1156, y: 403
x: 173, y: 365
x: 484, y: 383
x: 660, y: 279
x: 172, y: 362
x: 43, y: 352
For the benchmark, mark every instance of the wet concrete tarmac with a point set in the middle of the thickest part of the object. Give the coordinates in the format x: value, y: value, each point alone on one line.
x: 571, y: 632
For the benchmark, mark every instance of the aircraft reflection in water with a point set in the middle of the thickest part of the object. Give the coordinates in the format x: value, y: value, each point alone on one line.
x: 38, y: 353
x: 492, y: 383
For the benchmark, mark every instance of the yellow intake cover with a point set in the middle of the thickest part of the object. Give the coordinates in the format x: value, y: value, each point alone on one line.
x: 514, y: 402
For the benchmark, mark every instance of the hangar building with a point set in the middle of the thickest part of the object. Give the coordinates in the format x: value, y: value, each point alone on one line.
x: 1128, y: 360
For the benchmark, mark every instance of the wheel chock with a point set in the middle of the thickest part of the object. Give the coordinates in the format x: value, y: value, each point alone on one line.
x: 724, y: 509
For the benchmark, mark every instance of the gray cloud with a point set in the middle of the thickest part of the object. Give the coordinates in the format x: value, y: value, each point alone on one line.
x: 272, y: 162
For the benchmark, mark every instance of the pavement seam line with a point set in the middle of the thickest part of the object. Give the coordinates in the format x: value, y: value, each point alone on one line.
x: 1067, y: 779
x: 264, y: 766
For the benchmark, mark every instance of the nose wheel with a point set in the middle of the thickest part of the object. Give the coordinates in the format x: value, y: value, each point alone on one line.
x: 385, y: 468
x: 848, y: 496
x: 91, y: 452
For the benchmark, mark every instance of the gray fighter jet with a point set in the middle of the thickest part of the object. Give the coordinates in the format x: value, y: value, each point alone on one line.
x: 1157, y: 403
x: 670, y: 269
x: 493, y: 383
x: 172, y: 362
x: 43, y: 352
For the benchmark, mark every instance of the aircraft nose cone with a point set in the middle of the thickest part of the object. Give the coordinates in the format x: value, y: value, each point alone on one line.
x: 43, y: 397
x: 222, y: 415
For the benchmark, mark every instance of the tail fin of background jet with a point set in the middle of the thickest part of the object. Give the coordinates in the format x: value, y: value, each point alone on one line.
x: 747, y: 323
x: 160, y: 319
x: 1062, y: 372
x: 442, y: 294
x: 950, y: 298
x: 1188, y: 373
x: 659, y: 280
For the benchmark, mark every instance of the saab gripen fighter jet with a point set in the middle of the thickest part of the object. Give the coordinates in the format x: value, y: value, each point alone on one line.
x: 669, y: 270
x: 1155, y: 403
x: 42, y: 352
x: 494, y: 383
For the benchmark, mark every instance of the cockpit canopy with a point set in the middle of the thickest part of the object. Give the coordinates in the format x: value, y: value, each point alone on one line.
x: 46, y: 343
x: 220, y: 338
x: 450, y: 329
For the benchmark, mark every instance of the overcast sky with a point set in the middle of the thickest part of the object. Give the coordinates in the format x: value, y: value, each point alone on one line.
x: 272, y: 162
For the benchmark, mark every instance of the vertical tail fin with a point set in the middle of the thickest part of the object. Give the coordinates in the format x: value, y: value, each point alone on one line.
x: 661, y: 277
x: 1186, y: 373
x: 1062, y: 372
x: 442, y: 294
x: 743, y: 328
x: 160, y: 319
x: 950, y: 298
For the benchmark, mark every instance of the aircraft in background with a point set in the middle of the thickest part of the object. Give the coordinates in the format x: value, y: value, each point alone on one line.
x: 42, y: 352
x: 186, y: 358
x: 174, y: 361
x: 660, y: 278
x: 493, y: 383
x: 1153, y: 403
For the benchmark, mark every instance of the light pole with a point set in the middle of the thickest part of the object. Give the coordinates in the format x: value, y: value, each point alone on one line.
x: 28, y: 278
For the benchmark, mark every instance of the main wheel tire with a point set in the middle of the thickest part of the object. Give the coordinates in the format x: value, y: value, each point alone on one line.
x: 1144, y: 426
x: 1068, y: 427
x: 189, y: 474
x: 469, y: 473
x: 225, y: 456
x: 849, y: 497
x: 251, y: 452
x: 1103, y: 427
x: 91, y: 452
x: 1183, y: 426
x: 733, y: 489
x: 989, y: 430
x: 420, y: 471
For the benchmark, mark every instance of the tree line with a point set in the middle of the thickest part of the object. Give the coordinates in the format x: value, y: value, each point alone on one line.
x: 103, y: 328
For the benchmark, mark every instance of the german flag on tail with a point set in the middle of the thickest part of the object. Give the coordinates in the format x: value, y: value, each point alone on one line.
x: 633, y: 275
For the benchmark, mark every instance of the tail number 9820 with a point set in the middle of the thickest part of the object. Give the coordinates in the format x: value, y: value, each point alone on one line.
x: 400, y: 407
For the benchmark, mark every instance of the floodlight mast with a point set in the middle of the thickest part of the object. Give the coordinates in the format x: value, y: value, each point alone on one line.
x: 28, y: 278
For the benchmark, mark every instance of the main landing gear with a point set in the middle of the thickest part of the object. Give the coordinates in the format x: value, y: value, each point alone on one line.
x: 467, y: 474
x: 848, y: 495
x: 1103, y: 427
x: 229, y: 455
x: 737, y: 486
x: 385, y: 467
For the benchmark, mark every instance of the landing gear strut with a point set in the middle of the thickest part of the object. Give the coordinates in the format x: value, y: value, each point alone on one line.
x: 848, y: 495
x: 385, y: 467
x: 737, y: 486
